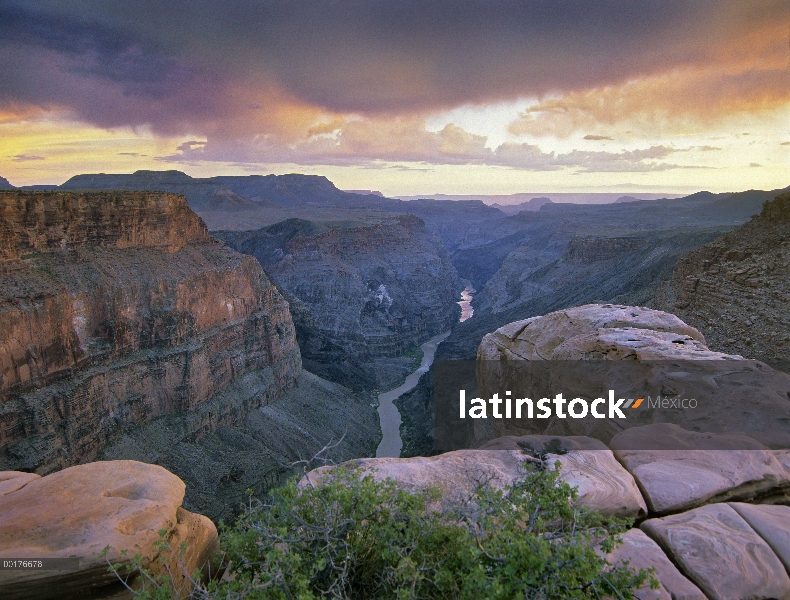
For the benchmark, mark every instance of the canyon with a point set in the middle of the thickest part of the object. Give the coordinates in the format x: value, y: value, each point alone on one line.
x: 361, y: 294
x: 128, y: 331
x: 132, y: 334
x: 735, y: 288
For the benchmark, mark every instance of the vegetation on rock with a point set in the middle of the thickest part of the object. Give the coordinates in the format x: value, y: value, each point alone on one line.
x: 357, y: 538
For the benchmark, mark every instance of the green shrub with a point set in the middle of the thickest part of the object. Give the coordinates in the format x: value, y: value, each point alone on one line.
x: 358, y: 538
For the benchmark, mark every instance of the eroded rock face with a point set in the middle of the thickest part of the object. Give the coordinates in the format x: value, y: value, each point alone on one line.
x: 735, y: 288
x: 641, y: 353
x: 718, y: 550
x: 358, y: 291
x: 601, y: 482
x: 643, y: 553
x: 118, y: 307
x: 79, y: 511
x: 680, y: 469
x: 772, y: 523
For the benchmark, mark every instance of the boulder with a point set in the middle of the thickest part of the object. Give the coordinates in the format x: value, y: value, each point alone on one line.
x: 79, y: 511
x: 681, y: 469
x: 584, y: 352
x: 457, y: 474
x: 538, y: 337
x: 719, y: 552
x: 643, y: 553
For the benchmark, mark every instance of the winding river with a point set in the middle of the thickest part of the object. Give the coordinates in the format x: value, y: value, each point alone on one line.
x: 389, y: 416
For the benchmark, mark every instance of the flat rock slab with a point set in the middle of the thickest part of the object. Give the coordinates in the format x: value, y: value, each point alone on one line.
x: 79, y: 511
x: 772, y: 523
x: 690, y: 475
x: 643, y: 553
x: 718, y: 551
x: 602, y: 483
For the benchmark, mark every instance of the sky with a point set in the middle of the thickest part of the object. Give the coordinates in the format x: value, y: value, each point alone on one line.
x: 405, y: 97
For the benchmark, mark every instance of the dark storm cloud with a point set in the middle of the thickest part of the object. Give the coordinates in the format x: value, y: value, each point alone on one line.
x: 178, y: 65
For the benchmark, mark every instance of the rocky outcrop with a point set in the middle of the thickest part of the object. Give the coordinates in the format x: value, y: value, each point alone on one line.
x: 358, y: 292
x: 641, y: 552
x: 117, y: 308
x: 721, y: 553
x: 709, y: 548
x: 735, y: 288
x: 458, y: 475
x: 80, y: 511
x: 678, y: 469
x: 641, y: 353
x: 5, y: 185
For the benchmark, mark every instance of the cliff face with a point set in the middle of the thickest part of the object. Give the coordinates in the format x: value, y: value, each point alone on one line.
x: 358, y: 292
x: 118, y: 307
x: 735, y: 289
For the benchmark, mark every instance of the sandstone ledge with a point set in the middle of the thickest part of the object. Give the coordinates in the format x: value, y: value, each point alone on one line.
x: 79, y: 511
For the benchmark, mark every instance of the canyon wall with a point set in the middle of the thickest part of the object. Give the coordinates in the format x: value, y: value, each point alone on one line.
x: 117, y: 308
x: 736, y: 288
x: 359, y: 292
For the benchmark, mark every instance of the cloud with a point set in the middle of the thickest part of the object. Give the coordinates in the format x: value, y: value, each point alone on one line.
x: 755, y: 165
x: 680, y: 101
x: 282, y: 67
x: 597, y: 137
x: 27, y: 158
x: 375, y: 143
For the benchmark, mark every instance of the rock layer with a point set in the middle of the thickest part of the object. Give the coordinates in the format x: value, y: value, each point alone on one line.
x: 641, y: 552
x: 118, y: 307
x: 680, y: 469
x: 77, y: 512
x: 735, y: 288
x: 358, y: 291
x: 720, y: 553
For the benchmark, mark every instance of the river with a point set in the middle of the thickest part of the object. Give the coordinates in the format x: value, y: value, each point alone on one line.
x: 467, y: 312
x: 389, y: 416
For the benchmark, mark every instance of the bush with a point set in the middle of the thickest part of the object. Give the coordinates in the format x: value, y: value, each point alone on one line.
x: 358, y: 538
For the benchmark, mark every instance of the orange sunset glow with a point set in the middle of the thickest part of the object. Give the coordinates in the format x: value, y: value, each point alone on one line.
x: 402, y: 97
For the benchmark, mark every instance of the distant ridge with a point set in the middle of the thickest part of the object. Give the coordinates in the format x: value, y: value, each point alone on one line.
x: 4, y: 185
x: 556, y: 197
x: 365, y: 192
x: 533, y: 204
